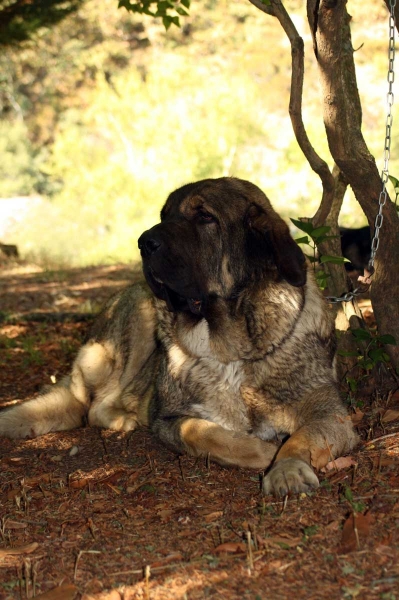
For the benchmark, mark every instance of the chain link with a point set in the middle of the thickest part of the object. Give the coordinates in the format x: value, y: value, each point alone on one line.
x: 388, y: 136
x: 349, y: 296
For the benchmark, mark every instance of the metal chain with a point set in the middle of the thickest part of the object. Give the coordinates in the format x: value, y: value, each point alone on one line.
x: 366, y: 280
x: 388, y: 136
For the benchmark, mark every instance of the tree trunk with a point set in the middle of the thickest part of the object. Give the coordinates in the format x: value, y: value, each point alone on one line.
x: 329, y: 23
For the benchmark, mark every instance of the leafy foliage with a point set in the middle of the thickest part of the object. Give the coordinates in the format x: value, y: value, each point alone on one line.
x: 116, y: 163
x: 20, y: 20
x: 110, y: 109
x: 314, y: 237
x: 374, y: 352
x: 371, y: 352
x: 167, y: 10
x: 40, y: 80
x: 20, y: 165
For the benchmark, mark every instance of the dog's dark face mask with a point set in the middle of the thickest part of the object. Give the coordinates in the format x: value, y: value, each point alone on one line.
x: 168, y: 252
x: 214, y: 237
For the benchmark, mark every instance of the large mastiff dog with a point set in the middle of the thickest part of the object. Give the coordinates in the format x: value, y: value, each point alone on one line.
x: 226, y: 352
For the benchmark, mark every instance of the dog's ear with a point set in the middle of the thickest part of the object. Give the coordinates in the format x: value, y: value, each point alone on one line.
x: 289, y: 258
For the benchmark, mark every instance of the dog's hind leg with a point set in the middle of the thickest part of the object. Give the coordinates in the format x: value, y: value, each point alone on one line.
x: 62, y: 406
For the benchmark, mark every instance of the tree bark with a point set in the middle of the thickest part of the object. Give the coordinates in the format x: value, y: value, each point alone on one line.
x: 396, y: 11
x: 334, y: 185
x: 329, y: 23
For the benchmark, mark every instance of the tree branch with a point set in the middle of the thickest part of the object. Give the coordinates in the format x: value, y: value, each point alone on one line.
x: 318, y: 165
x: 268, y: 9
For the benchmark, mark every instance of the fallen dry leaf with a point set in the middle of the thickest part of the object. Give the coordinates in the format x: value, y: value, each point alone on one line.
x: 283, y: 540
x: 333, y: 525
x: 131, y: 489
x: 342, y: 462
x: 56, y: 458
x: 37, y: 480
x: 171, y: 558
x: 231, y: 548
x: 165, y: 514
x: 319, y: 457
x: 385, y: 550
x: 11, y: 494
x: 78, y: 484
x: 385, y: 461
x: 276, y: 565
x: 113, y: 477
x: 19, y: 549
x: 390, y: 415
x: 9, y: 524
x: 356, y: 529
x: 62, y: 592
x: 213, y: 516
x: 357, y: 416
x: 112, y: 595
x: 352, y: 591
x: 278, y: 541
x: 63, y: 506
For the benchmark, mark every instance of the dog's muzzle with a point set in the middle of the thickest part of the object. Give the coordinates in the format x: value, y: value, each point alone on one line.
x: 149, y: 245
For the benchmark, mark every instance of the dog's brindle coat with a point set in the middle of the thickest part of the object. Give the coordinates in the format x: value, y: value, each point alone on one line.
x: 229, y: 354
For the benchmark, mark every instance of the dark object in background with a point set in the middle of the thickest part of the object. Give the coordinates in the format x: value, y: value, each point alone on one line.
x: 356, y: 247
x: 9, y: 250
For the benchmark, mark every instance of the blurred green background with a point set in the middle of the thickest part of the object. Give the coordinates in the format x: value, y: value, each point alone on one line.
x: 105, y: 113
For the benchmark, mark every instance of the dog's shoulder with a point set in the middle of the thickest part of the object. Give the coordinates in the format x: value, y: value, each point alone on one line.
x: 130, y: 308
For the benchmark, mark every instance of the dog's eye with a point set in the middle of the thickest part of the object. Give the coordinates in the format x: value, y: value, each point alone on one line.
x: 205, y: 217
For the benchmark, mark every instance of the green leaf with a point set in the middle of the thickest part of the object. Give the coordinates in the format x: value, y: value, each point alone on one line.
x: 322, y: 275
x: 266, y: 2
x: 321, y: 279
x: 361, y: 334
x: 311, y: 259
x: 347, y: 353
x: 387, y: 339
x: 348, y: 494
x: 181, y: 11
x: 319, y: 231
x: 303, y: 226
x: 167, y: 22
x: 377, y: 355
x: 185, y: 3
x: 336, y: 260
x: 302, y: 240
x: 163, y: 6
x: 367, y: 364
x: 395, y: 182
x: 282, y: 545
x: 352, y: 383
x: 311, y: 530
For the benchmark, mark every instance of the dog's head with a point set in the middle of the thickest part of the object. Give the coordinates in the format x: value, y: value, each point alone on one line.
x: 215, y: 237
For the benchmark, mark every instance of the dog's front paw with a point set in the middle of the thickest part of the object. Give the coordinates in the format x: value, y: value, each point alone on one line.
x: 289, y: 475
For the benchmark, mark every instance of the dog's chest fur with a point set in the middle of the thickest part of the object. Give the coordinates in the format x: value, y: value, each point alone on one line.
x: 213, y: 387
x: 255, y: 393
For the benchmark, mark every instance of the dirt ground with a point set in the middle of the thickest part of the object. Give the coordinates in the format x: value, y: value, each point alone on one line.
x: 94, y: 514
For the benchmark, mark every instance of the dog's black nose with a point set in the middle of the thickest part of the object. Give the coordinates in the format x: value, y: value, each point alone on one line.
x: 148, y: 245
